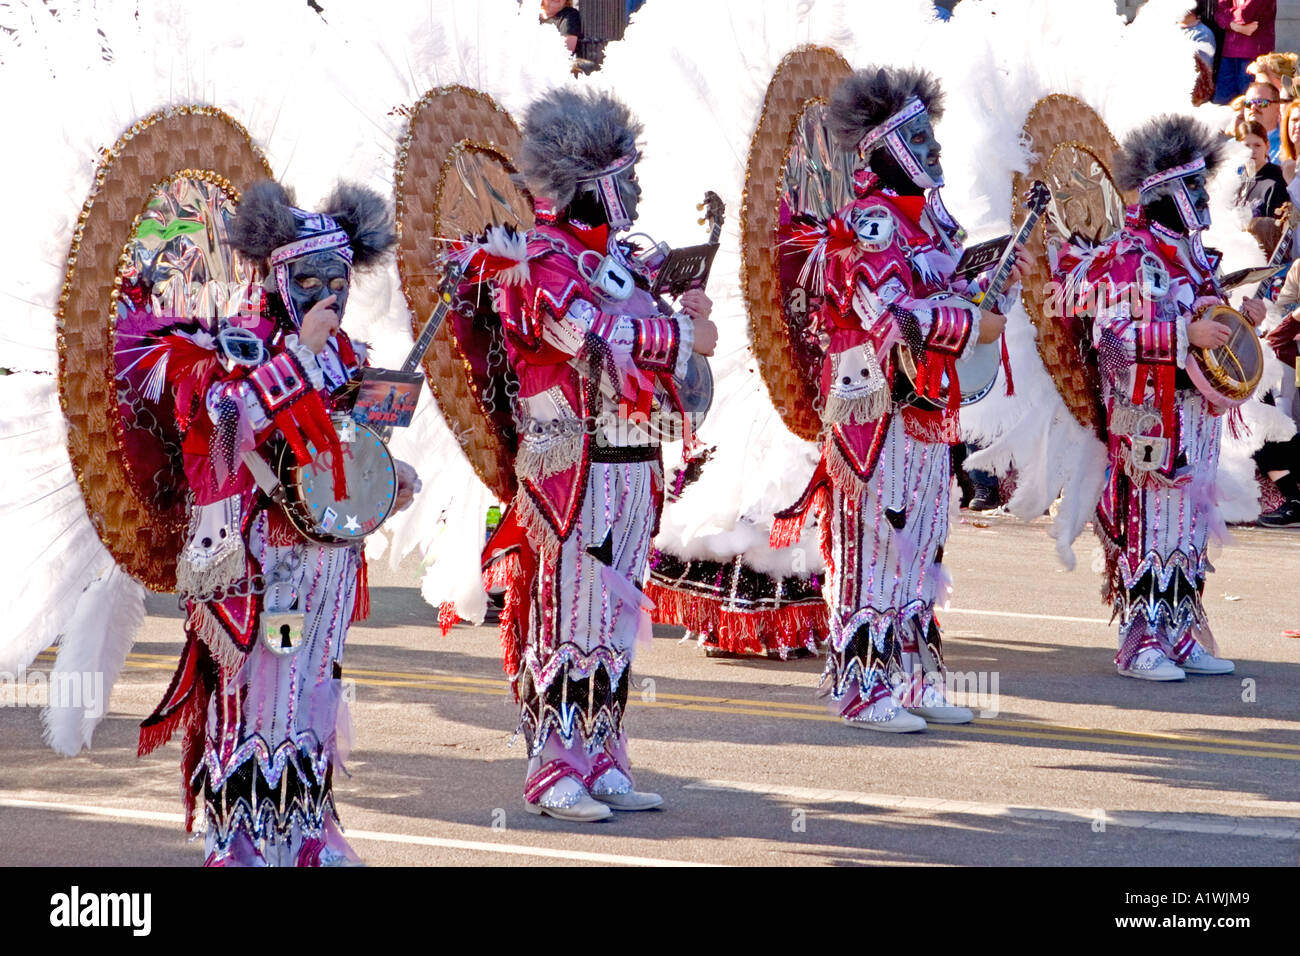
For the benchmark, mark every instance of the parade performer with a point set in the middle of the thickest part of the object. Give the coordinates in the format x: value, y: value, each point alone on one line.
x: 592, y: 351
x: 257, y: 695
x: 882, y: 488
x: 1146, y: 289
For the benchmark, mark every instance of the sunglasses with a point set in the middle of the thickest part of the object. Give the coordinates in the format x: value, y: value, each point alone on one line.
x: 1260, y: 103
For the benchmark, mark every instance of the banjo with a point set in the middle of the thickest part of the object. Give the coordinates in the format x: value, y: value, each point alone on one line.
x: 306, y: 492
x: 688, y: 268
x: 978, y: 372
x: 691, y: 395
x: 1229, y: 374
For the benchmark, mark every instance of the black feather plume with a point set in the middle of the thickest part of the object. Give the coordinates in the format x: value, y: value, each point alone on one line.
x: 264, y: 220
x: 366, y: 217
x: 869, y: 97
x: 569, y: 136
x: 1163, y: 143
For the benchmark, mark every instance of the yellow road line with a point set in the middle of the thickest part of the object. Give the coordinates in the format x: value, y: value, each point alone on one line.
x: 739, y: 706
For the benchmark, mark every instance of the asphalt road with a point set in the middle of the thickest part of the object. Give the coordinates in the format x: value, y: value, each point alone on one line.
x: 1069, y: 764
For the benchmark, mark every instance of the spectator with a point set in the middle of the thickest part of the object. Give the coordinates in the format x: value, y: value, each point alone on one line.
x: 1264, y: 107
x: 1206, y: 12
x: 1263, y: 190
x: 1280, y: 461
x: 565, y: 18
x: 1278, y: 69
x: 1248, y: 33
x: 979, y: 489
x: 1290, y: 138
x: 1203, y: 37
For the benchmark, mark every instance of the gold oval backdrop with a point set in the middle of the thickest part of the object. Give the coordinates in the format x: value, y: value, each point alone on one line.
x: 200, y: 144
x: 453, y: 179
x: 805, y: 77
x: 1073, y: 153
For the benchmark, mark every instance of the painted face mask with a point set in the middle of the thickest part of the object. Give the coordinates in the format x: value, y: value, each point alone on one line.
x: 909, y: 137
x: 617, y: 190
x: 1186, y: 186
x: 315, y: 265
x: 316, y: 276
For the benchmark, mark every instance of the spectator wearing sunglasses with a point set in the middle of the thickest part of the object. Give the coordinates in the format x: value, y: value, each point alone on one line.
x: 1264, y: 106
x: 1249, y: 32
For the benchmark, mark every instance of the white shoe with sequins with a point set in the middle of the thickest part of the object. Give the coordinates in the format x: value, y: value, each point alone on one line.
x: 1201, y: 661
x: 1152, y: 664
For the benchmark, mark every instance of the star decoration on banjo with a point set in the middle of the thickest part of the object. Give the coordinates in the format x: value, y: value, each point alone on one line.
x: 306, y: 492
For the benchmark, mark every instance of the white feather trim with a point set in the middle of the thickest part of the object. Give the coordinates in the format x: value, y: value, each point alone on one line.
x: 92, y: 652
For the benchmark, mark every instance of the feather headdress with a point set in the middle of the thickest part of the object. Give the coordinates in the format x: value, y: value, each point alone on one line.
x: 869, y: 97
x: 1164, y: 143
x: 570, y: 137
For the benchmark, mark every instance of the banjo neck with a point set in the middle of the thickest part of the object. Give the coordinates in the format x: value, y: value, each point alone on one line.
x: 1280, y: 251
x: 422, y: 343
x: 999, y: 280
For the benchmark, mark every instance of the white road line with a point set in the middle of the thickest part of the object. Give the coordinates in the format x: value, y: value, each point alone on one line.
x: 515, y: 850
x: 509, y: 849
x: 1029, y: 617
x: 1267, y: 828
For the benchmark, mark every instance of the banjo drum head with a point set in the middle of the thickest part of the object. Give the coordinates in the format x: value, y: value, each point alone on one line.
x: 1229, y: 374
x: 979, y: 373
x: 696, y: 389
x: 372, y: 489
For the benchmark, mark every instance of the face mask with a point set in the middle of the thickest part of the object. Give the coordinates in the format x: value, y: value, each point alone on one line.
x: 1185, y: 185
x: 316, y: 277
x: 909, y: 137
x: 315, y: 265
x: 916, y: 150
x: 617, y: 192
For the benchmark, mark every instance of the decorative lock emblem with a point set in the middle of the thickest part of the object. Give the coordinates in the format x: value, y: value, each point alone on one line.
x: 875, y: 228
x: 1153, y: 277
x: 1148, y: 452
x: 611, y: 278
x: 282, y: 632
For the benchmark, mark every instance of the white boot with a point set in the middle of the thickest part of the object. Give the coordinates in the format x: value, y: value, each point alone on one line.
x: 937, y: 708
x: 1151, y: 664
x: 886, y: 715
x: 557, y: 790
x: 1201, y: 661
x: 614, y: 789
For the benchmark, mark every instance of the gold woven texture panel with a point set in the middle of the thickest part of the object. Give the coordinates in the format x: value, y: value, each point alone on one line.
x: 142, y: 539
x: 806, y: 75
x: 1058, y: 121
x: 448, y: 121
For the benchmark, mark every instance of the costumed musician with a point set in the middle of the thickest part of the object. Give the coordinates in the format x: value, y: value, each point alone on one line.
x: 258, y: 693
x: 883, y: 267
x: 595, y: 357
x: 1154, y: 295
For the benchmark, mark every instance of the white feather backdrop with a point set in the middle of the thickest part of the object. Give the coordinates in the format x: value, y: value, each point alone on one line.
x: 317, y: 93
